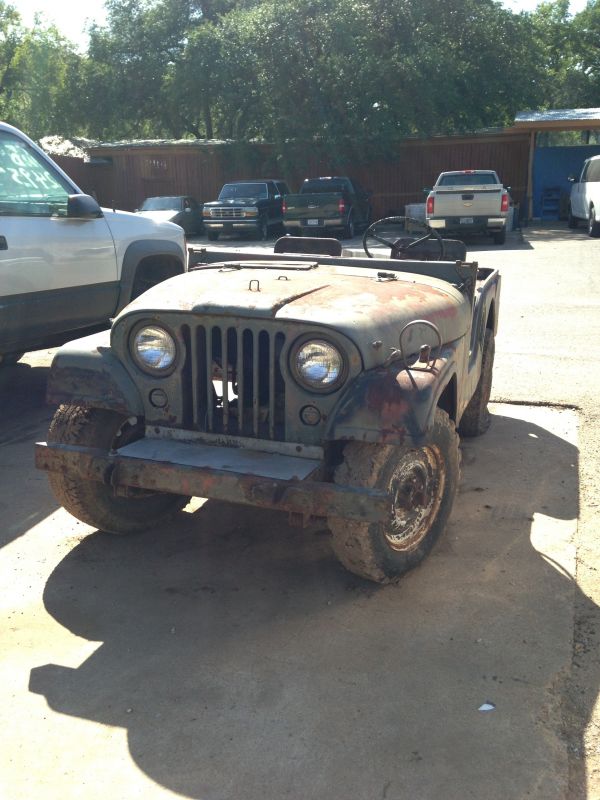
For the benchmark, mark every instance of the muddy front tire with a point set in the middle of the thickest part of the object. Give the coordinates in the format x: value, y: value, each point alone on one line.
x: 421, y: 482
x: 95, y: 503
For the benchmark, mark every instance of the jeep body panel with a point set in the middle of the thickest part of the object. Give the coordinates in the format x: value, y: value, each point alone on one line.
x: 369, y: 309
x: 236, y: 325
x: 86, y: 372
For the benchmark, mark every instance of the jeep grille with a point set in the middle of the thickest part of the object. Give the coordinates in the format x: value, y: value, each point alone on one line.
x: 233, y: 382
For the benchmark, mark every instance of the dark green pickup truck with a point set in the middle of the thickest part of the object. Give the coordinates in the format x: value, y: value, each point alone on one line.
x: 336, y: 205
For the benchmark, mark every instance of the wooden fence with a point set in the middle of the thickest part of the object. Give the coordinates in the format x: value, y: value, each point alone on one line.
x: 121, y: 176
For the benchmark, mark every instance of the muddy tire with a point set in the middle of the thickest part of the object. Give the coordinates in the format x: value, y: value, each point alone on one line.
x: 95, y: 503
x: 422, y: 482
x: 476, y: 417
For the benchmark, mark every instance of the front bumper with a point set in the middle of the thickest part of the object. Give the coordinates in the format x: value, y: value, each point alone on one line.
x: 237, y: 475
x: 231, y: 225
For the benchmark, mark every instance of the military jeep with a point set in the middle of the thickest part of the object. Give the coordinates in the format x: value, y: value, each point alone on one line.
x: 329, y: 385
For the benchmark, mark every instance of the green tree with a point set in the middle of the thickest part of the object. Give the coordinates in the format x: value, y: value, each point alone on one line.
x: 11, y: 33
x: 584, y: 77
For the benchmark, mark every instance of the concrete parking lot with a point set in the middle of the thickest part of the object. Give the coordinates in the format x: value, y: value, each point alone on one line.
x: 230, y: 656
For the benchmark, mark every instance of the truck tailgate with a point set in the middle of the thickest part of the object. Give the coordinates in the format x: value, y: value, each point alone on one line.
x: 312, y: 206
x: 456, y: 201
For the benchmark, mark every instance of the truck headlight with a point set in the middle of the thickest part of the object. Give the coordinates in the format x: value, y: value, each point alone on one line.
x: 153, y: 349
x: 318, y: 365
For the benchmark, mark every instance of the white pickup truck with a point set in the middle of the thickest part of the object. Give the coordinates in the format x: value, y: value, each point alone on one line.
x: 66, y: 265
x: 469, y: 201
x: 584, y: 203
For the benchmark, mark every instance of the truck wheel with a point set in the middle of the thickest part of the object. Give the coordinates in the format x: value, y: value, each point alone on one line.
x: 262, y: 232
x: 95, y: 503
x: 212, y: 236
x: 572, y: 221
x: 593, y: 226
x: 349, y: 228
x: 500, y: 237
x: 421, y: 482
x: 476, y: 417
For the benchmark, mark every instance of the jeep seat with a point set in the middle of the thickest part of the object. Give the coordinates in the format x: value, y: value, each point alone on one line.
x: 429, y: 250
x: 308, y: 244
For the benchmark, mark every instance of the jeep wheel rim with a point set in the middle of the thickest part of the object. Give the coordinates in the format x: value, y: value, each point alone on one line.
x: 417, y: 488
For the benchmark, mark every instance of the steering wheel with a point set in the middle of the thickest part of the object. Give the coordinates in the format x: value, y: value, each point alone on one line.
x: 430, y: 233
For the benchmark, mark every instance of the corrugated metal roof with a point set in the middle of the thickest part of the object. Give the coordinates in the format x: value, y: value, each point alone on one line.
x: 161, y: 143
x: 559, y: 115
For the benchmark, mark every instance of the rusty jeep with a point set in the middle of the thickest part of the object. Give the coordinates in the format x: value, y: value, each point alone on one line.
x: 329, y: 384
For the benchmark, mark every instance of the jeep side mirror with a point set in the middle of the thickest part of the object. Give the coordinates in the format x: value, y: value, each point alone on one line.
x: 83, y: 206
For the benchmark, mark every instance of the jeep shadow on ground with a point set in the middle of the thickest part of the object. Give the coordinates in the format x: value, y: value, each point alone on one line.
x: 245, y: 662
x: 25, y: 498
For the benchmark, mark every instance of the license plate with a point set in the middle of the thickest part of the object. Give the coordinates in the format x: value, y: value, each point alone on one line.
x: 312, y: 221
x: 466, y: 220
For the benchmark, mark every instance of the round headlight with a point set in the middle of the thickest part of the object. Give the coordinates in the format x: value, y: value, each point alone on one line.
x: 319, y: 365
x: 154, y: 348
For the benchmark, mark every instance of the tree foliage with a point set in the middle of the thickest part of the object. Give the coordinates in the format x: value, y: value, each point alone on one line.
x: 349, y: 76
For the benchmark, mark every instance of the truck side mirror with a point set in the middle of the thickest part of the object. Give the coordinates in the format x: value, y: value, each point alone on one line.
x: 83, y: 206
x: 426, y: 190
x: 572, y: 179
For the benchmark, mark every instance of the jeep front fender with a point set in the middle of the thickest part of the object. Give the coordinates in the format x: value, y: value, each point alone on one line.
x: 86, y: 372
x: 393, y: 405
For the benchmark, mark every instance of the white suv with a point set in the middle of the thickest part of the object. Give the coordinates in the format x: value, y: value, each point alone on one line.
x: 66, y: 265
x: 584, y: 203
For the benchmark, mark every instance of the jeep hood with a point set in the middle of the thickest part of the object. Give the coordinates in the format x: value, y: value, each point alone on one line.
x: 350, y: 300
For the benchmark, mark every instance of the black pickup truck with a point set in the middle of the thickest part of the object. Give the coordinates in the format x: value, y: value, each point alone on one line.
x: 253, y: 207
x: 336, y: 205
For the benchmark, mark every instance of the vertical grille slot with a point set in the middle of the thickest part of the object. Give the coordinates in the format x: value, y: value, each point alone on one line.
x: 208, y: 370
x: 234, y: 378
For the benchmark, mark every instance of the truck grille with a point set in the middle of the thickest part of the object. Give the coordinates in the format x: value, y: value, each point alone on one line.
x: 233, y: 382
x: 226, y: 213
